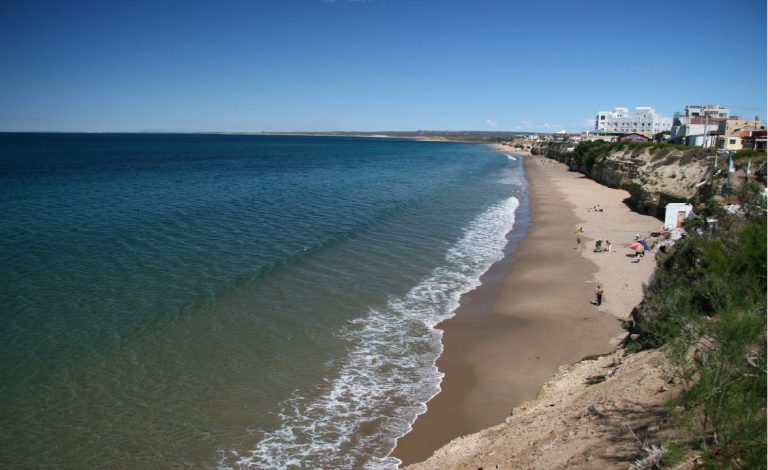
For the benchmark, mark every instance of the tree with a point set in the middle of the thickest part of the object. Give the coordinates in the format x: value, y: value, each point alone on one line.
x: 662, y: 136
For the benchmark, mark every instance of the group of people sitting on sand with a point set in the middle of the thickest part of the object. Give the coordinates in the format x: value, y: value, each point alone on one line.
x: 639, y: 246
x: 595, y: 208
x: 603, y: 246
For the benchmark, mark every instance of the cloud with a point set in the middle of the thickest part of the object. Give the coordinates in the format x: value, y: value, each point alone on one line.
x: 491, y: 123
x: 533, y: 127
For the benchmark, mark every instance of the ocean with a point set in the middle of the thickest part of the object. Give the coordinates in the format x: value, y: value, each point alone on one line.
x: 233, y: 301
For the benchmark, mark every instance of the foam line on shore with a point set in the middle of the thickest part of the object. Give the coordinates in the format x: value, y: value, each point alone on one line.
x: 390, y: 372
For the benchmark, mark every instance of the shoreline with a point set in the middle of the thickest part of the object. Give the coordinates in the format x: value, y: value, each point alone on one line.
x: 532, y: 313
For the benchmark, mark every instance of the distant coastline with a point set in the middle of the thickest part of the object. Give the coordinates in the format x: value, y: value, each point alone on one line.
x: 424, y: 135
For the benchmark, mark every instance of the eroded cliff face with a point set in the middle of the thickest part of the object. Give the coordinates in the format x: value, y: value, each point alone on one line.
x: 602, y: 413
x: 656, y: 177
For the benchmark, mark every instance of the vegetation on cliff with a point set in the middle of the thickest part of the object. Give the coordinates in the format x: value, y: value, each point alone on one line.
x: 656, y: 174
x: 585, y: 155
x: 706, y: 306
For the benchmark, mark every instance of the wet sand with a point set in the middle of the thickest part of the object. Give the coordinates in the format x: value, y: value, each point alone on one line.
x: 533, y: 312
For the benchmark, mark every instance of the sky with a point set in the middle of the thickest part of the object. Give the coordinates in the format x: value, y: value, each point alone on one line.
x: 371, y: 65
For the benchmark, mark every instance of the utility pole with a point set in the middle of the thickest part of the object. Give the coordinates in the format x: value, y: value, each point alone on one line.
x: 728, y: 176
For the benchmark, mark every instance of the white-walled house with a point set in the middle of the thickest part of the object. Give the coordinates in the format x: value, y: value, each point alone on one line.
x: 694, y: 134
x: 676, y: 214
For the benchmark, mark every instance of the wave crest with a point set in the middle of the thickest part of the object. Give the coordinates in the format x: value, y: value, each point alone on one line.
x: 389, y: 374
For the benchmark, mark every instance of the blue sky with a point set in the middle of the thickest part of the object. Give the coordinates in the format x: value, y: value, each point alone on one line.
x: 321, y: 65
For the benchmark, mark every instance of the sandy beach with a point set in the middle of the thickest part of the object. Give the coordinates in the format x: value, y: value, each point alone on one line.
x: 533, y: 312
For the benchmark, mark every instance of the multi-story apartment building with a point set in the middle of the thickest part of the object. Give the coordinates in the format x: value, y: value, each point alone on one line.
x: 698, y: 124
x: 644, y: 121
x: 695, y: 112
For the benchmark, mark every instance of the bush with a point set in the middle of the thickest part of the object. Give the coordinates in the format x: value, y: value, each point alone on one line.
x: 748, y: 153
x: 706, y: 306
x: 724, y: 400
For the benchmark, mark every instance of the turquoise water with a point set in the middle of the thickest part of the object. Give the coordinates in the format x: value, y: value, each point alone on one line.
x: 232, y: 301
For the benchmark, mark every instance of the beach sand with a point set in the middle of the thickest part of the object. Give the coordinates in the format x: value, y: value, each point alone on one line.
x: 533, y: 312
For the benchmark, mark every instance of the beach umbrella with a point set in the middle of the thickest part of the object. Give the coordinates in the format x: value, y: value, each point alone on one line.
x: 640, y: 249
x: 635, y: 245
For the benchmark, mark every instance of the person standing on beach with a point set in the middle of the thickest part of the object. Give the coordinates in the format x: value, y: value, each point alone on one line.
x: 598, y: 295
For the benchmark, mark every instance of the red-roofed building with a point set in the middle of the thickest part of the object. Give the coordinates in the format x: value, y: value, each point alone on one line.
x: 756, y: 140
x: 633, y: 137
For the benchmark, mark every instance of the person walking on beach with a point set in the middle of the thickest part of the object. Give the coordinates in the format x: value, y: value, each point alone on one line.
x: 578, y: 242
x: 598, y: 295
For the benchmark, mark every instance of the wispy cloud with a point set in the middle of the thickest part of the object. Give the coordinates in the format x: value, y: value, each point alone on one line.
x: 545, y: 127
x: 491, y: 122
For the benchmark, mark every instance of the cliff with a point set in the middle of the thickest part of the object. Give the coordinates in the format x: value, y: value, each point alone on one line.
x: 603, y: 413
x: 655, y: 175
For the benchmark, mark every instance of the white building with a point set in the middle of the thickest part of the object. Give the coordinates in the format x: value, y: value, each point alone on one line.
x: 698, y: 124
x: 676, y: 214
x: 644, y: 121
x: 699, y: 135
x: 694, y: 112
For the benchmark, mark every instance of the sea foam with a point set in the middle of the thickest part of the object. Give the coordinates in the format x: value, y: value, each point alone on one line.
x: 389, y: 373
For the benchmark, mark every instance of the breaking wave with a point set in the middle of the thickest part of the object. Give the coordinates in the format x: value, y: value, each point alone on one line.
x: 389, y: 373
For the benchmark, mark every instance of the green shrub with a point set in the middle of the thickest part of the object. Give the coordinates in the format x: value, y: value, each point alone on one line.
x: 748, y: 153
x: 706, y: 305
x: 673, y: 455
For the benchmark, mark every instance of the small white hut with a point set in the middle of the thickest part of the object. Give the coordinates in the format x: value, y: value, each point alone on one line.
x: 676, y: 213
